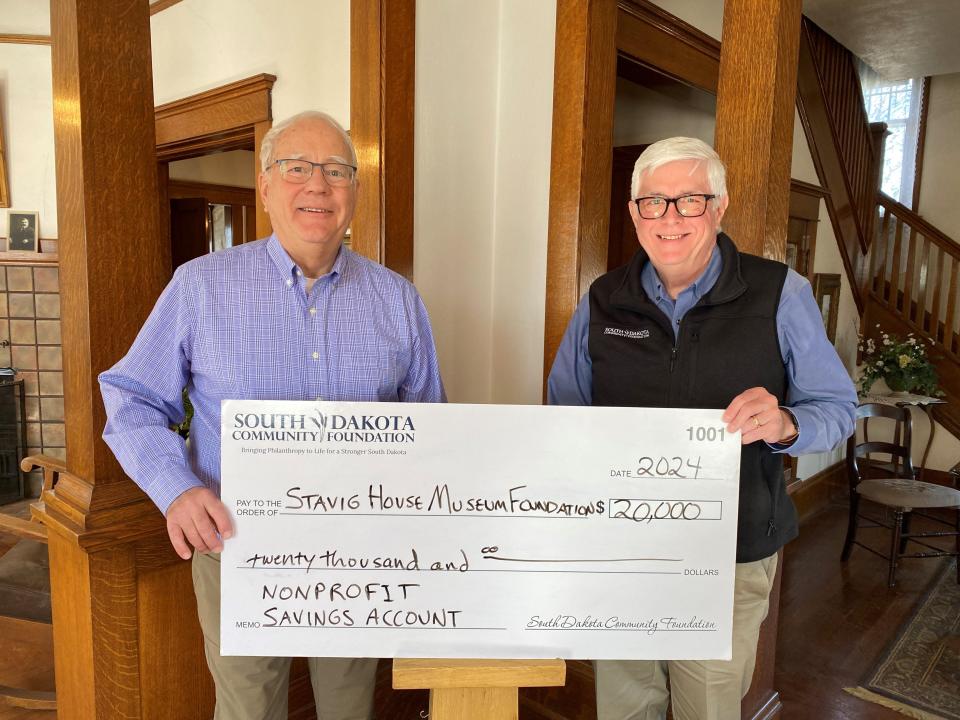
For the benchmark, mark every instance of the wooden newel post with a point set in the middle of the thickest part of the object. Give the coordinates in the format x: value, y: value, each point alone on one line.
x: 476, y: 689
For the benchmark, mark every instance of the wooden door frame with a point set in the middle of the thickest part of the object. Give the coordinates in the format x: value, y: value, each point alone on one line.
x: 382, y: 69
x: 607, y: 41
x: 235, y: 116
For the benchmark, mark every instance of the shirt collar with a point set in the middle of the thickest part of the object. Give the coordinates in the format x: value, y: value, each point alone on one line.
x: 288, y: 268
x: 699, y: 287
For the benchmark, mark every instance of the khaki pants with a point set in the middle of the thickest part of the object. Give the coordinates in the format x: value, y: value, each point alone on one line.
x: 701, y: 689
x: 255, y: 688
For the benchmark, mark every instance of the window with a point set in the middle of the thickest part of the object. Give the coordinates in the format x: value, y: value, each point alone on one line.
x: 898, y: 105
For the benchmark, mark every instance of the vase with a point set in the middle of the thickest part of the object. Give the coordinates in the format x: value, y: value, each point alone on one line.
x: 898, y: 385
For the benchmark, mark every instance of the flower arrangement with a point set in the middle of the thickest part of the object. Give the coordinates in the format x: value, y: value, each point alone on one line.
x: 902, y: 364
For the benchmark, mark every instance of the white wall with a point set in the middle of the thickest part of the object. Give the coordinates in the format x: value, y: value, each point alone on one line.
x: 26, y: 115
x: 482, y: 137
x: 236, y: 168
x: 941, y: 158
x: 201, y: 44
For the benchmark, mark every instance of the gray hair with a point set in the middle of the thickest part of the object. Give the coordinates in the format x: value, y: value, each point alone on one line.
x: 681, y: 148
x: 274, y: 133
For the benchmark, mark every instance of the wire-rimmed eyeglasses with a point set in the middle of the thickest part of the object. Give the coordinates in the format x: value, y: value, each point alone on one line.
x: 652, y: 207
x: 300, y: 171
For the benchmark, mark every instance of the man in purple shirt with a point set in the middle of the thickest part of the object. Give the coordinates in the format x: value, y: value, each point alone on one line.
x: 295, y: 316
x: 692, y: 322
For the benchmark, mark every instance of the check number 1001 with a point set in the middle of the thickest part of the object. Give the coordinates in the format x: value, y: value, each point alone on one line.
x: 701, y: 433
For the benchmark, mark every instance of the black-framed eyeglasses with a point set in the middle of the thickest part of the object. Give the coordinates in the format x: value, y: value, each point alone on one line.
x: 300, y: 171
x: 652, y: 207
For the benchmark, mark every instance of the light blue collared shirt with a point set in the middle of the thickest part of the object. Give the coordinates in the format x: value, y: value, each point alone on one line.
x: 820, y: 393
x: 240, y: 324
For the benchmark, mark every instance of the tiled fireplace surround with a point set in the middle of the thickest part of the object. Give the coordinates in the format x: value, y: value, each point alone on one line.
x: 30, y: 320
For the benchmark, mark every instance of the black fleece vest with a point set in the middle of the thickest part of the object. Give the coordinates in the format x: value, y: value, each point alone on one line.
x: 725, y: 344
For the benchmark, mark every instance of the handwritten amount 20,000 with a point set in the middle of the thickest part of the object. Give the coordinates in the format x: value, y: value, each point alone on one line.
x: 664, y: 467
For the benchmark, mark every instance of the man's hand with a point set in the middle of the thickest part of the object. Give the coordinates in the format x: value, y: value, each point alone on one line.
x: 196, y: 517
x: 758, y: 415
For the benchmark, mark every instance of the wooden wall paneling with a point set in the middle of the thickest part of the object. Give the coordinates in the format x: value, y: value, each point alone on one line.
x: 382, y: 57
x: 114, y: 261
x: 652, y: 36
x: 584, y: 87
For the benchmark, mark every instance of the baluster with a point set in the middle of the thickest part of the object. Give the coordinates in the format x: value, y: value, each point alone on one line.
x: 895, y: 267
x: 937, y: 285
x: 948, y: 329
x: 909, y: 306
x: 878, y: 256
x: 924, y: 284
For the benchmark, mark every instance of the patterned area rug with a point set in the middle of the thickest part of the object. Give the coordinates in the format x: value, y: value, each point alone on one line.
x: 919, y: 675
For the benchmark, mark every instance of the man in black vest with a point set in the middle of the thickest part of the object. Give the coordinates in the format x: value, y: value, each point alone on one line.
x: 692, y: 322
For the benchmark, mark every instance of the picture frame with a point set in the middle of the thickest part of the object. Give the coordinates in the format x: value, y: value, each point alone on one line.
x: 826, y: 290
x: 23, y: 231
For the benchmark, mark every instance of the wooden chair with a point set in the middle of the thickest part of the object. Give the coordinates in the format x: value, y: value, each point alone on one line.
x: 25, y: 587
x: 893, y: 485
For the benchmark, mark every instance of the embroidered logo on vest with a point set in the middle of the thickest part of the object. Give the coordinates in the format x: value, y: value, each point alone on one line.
x: 632, y: 334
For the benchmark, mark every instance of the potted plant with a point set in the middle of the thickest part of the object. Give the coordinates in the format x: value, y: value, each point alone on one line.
x: 902, y: 364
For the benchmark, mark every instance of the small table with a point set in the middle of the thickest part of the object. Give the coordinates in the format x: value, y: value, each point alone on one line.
x: 924, y: 402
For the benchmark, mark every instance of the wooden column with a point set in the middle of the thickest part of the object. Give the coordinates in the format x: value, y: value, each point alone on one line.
x: 755, y: 112
x: 585, y: 79
x: 754, y: 136
x: 382, y: 38
x: 127, y: 643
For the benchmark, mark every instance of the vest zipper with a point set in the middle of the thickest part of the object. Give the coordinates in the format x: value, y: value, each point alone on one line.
x: 673, y: 357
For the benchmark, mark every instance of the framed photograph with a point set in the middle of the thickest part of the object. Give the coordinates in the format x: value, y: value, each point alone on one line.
x: 826, y: 289
x: 23, y: 231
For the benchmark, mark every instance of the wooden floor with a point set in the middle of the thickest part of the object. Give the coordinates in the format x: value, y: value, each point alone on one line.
x: 835, y: 621
x: 26, y: 648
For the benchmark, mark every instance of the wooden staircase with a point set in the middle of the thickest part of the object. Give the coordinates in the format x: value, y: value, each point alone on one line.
x: 903, y: 271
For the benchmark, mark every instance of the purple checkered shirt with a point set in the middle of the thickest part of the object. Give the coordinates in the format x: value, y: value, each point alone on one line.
x: 239, y: 324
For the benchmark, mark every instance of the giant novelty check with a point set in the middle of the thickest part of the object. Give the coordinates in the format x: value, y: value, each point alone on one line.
x: 484, y: 531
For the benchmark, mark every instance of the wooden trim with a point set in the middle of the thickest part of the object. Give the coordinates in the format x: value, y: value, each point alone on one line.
x: 223, y: 118
x: 382, y: 128
x: 219, y: 194
x: 921, y: 142
x: 649, y: 35
x: 16, y: 39
x: 584, y: 89
x: 161, y: 5
x: 800, y: 186
x: 17, y: 257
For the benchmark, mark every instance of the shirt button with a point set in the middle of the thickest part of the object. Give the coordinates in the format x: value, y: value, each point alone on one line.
x: 315, y: 355
x: 289, y: 283
x: 298, y: 273
x: 313, y: 311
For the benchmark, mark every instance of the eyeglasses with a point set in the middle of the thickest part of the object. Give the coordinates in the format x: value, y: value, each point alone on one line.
x: 652, y: 207
x: 300, y: 171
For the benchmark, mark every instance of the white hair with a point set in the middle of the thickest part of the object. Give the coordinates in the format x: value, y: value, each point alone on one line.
x: 274, y: 133
x: 681, y: 148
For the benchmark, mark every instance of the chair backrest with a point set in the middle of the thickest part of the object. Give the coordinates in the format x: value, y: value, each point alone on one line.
x: 900, y: 464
